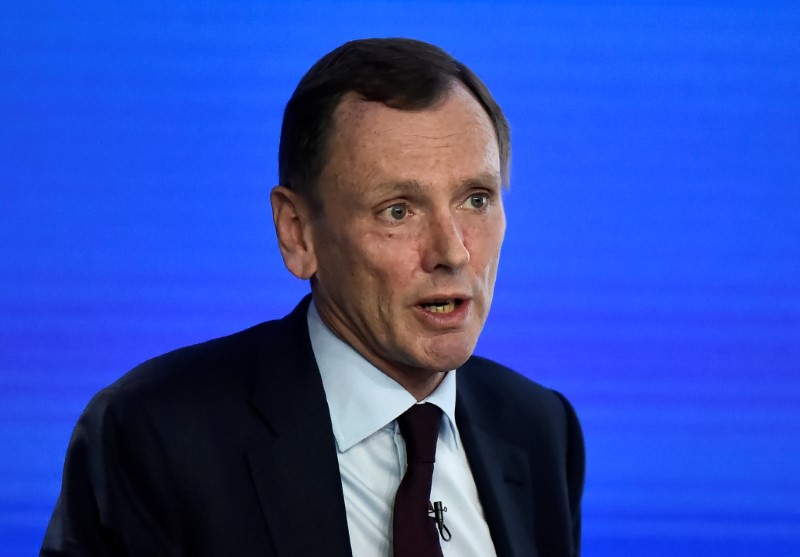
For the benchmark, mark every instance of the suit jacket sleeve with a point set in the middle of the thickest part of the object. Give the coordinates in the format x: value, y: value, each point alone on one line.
x: 115, y: 486
x: 576, y: 458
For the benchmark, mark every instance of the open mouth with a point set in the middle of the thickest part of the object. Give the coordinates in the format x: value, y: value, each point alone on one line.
x: 442, y: 306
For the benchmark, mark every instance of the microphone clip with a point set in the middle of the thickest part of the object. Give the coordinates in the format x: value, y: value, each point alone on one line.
x: 438, y: 515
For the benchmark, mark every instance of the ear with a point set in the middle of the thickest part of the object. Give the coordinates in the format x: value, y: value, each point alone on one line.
x: 291, y: 215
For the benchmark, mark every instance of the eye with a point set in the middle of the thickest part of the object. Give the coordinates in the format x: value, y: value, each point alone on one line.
x: 476, y: 201
x: 395, y: 212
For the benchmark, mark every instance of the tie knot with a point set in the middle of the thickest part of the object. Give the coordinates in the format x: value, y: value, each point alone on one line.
x: 420, y: 428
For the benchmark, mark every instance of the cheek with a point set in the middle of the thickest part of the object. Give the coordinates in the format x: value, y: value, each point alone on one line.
x: 392, y: 258
x: 340, y: 264
x: 484, y: 242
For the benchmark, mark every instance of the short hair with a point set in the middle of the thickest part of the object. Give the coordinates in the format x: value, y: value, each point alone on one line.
x: 405, y: 74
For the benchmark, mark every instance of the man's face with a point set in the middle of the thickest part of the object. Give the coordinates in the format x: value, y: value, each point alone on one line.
x: 408, y: 238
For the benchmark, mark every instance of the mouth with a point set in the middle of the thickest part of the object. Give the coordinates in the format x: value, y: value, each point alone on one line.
x: 442, y: 306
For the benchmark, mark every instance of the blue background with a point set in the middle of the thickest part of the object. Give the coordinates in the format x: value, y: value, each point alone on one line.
x: 651, y: 269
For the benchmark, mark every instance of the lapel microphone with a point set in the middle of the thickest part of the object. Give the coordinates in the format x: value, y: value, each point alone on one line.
x: 438, y: 515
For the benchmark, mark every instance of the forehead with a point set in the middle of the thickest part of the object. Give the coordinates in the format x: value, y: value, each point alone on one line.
x: 451, y: 141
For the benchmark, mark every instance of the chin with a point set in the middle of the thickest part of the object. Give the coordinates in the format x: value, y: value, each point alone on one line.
x: 444, y: 356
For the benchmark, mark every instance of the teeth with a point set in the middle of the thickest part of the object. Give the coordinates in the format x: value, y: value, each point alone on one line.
x: 440, y: 307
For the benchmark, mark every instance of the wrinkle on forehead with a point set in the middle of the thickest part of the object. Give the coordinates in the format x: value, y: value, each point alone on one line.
x: 422, y: 142
x: 414, y: 141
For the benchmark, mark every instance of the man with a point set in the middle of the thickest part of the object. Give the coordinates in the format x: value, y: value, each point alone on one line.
x: 304, y: 436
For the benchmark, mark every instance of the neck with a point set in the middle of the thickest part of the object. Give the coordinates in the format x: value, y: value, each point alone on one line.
x: 419, y: 382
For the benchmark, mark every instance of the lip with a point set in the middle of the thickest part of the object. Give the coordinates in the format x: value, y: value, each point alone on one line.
x: 451, y: 320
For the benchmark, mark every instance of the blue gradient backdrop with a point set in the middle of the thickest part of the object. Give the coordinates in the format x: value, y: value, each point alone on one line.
x: 651, y: 269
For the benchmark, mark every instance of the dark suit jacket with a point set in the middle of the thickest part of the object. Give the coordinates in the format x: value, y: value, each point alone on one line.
x: 226, y: 448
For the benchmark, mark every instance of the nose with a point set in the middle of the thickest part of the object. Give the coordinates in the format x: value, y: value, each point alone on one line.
x: 446, y: 248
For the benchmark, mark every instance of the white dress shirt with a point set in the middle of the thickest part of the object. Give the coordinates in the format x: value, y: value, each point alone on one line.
x: 364, y: 404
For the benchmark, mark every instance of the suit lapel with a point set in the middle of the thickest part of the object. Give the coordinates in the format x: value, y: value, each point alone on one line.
x: 501, y: 470
x: 294, y: 467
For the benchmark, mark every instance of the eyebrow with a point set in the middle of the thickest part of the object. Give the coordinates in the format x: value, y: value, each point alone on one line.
x: 398, y: 187
x: 485, y: 179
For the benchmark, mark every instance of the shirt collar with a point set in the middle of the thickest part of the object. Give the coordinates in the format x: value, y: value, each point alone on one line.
x: 361, y: 398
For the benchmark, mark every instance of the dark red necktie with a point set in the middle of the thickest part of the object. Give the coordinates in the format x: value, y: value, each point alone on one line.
x: 415, y: 533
